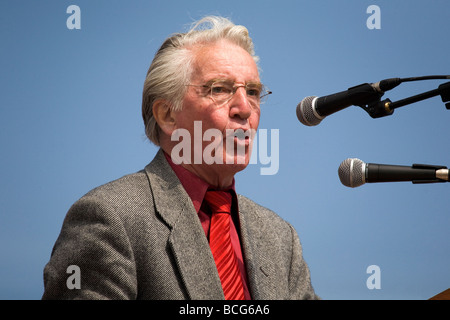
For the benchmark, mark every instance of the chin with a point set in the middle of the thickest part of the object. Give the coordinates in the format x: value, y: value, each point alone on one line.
x: 229, y: 169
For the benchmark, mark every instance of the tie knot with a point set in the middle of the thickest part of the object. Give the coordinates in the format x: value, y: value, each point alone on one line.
x: 219, y: 201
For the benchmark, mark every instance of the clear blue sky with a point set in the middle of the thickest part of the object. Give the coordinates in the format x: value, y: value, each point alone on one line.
x: 70, y: 120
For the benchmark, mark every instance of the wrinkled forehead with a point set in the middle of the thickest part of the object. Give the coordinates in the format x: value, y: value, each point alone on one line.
x: 223, y: 60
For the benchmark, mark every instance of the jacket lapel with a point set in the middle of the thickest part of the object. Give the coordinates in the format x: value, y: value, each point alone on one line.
x: 261, y: 272
x: 187, y: 239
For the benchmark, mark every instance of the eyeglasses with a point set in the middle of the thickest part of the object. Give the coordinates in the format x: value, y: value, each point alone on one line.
x: 221, y: 91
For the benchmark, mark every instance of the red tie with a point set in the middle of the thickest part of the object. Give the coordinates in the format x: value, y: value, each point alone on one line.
x: 220, y: 243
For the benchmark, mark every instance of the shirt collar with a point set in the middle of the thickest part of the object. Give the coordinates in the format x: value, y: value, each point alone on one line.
x: 195, y: 186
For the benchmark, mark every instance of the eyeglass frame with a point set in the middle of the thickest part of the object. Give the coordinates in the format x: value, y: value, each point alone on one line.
x: 264, y: 92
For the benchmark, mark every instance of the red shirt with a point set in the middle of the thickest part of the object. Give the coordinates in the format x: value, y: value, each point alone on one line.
x: 196, y: 189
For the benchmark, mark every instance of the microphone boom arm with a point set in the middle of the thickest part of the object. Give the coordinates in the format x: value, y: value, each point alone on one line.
x: 386, y: 107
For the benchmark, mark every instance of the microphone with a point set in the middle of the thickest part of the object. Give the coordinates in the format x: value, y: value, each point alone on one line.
x: 312, y: 110
x: 354, y: 173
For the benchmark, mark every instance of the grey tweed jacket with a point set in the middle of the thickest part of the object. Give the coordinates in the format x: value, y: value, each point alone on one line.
x: 139, y: 237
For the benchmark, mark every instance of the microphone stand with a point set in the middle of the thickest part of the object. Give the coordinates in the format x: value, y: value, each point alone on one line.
x: 386, y: 107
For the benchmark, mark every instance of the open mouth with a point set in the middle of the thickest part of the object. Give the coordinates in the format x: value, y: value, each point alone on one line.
x: 241, y: 133
x: 240, y: 136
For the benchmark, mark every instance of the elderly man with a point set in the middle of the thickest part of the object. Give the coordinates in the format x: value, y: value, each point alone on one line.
x: 177, y: 229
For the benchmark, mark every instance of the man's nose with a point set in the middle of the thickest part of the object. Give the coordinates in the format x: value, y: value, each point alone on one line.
x: 240, y: 105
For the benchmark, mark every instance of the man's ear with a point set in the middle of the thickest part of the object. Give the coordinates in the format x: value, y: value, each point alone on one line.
x: 164, y: 116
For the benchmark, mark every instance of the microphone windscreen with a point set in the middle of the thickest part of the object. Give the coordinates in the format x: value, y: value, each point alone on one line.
x: 305, y: 113
x: 351, y: 173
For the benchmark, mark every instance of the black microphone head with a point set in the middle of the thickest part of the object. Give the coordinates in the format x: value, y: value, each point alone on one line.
x: 352, y: 172
x: 305, y: 112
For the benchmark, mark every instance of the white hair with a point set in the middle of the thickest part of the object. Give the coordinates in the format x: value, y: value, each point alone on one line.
x: 171, y: 67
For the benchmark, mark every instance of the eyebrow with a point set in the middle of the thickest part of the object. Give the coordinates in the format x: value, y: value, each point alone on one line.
x: 219, y: 80
x: 231, y: 81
